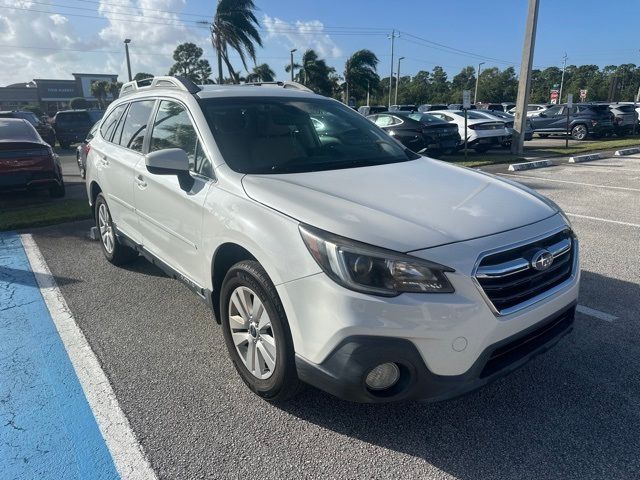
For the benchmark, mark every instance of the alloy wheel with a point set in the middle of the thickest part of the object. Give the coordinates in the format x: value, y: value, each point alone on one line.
x: 106, y: 230
x: 252, y: 332
x: 579, y: 132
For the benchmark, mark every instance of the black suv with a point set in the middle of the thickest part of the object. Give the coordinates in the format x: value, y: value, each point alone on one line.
x: 44, y: 129
x: 72, y: 126
x: 585, y: 119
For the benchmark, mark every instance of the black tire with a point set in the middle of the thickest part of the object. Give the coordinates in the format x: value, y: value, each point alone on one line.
x: 482, y: 148
x: 579, y: 132
x: 118, y: 254
x: 58, y: 190
x: 283, y: 382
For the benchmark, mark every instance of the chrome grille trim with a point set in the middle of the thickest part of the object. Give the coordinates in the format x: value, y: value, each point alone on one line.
x: 518, y: 265
x: 495, y: 272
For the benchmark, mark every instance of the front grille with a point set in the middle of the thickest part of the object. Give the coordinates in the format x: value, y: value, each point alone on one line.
x: 508, y: 278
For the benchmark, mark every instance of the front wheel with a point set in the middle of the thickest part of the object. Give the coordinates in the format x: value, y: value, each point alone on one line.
x: 256, y: 332
x: 579, y: 132
x: 113, y: 250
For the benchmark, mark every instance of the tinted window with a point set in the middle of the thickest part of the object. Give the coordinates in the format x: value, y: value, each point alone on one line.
x: 95, y: 115
x: 173, y: 129
x: 277, y: 135
x: 553, y: 110
x: 72, y: 117
x: 135, y: 125
x: 425, y: 118
x: 109, y: 124
x: 384, y: 120
x: 625, y: 108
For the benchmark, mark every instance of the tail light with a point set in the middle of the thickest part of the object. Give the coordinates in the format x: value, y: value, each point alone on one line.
x: 594, y: 123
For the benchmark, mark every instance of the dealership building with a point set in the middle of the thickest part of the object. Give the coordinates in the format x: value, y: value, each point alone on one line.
x: 52, y: 95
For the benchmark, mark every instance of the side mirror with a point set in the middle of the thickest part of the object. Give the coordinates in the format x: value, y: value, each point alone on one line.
x: 171, y: 161
x: 541, y: 114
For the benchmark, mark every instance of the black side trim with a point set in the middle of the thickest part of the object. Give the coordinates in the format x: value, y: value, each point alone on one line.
x: 343, y: 371
x: 201, y: 292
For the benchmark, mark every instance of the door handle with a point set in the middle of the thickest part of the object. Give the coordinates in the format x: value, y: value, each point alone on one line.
x: 140, y: 181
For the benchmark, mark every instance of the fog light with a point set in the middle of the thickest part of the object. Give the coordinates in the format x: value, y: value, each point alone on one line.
x: 383, y: 376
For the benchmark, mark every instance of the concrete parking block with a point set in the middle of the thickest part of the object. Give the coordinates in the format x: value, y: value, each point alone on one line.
x: 627, y: 151
x: 586, y: 158
x: 515, y: 167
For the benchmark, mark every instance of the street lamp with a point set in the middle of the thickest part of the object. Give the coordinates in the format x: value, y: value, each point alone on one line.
x: 398, y: 78
x: 475, y: 95
x: 127, y: 41
x: 291, y: 52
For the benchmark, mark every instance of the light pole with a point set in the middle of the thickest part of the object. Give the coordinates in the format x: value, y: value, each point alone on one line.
x: 127, y: 41
x: 524, y: 82
x: 291, y: 53
x: 475, y: 95
x: 564, y: 67
x: 398, y: 79
x: 392, y: 37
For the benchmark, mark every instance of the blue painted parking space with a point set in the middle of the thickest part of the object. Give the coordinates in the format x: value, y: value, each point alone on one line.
x: 47, y: 428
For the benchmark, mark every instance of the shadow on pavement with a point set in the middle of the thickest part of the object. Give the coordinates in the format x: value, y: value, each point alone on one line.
x: 570, y: 413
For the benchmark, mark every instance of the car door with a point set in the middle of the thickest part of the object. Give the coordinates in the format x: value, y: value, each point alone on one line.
x: 115, y: 163
x: 170, y: 207
x: 546, y: 121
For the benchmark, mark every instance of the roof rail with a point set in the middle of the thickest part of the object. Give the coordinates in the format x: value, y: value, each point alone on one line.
x: 179, y: 82
x: 285, y: 84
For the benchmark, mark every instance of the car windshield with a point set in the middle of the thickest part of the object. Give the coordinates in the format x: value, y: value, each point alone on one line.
x: 284, y: 135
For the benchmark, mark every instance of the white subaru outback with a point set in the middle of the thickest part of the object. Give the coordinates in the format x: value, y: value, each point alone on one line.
x: 329, y: 253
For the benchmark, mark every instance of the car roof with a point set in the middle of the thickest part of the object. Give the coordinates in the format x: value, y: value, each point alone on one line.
x: 251, y: 90
x: 17, y: 130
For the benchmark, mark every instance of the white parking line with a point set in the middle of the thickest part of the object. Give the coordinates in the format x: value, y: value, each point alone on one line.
x: 592, y: 312
x: 629, y: 189
x: 606, y: 220
x: 127, y: 454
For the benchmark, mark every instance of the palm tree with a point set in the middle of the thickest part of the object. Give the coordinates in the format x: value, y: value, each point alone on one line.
x: 99, y: 90
x: 360, y: 72
x: 114, y: 89
x: 313, y: 72
x: 234, y: 27
x: 261, y: 73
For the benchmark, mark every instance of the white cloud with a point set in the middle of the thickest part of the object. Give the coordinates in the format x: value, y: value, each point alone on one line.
x: 302, y: 35
x: 53, y: 37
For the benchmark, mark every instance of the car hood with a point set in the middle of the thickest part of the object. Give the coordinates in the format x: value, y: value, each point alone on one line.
x: 401, y: 206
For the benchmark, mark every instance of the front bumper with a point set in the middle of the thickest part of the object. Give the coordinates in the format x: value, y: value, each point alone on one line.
x: 343, y: 372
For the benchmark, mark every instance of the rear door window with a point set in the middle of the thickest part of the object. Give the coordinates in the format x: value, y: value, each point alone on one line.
x: 109, y: 124
x: 135, y: 125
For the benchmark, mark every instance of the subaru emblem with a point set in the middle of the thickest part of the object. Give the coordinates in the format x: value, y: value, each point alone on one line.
x: 541, y: 260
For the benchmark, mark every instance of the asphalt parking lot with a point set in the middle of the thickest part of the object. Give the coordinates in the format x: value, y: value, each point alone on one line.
x: 573, y: 412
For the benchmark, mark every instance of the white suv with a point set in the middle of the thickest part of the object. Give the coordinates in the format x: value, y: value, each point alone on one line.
x: 330, y: 254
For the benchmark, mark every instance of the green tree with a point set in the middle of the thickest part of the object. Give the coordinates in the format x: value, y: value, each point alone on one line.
x: 142, y: 75
x: 314, y: 73
x: 261, y: 73
x: 78, y: 103
x: 440, y: 86
x: 235, y: 27
x: 465, y: 80
x: 114, y: 89
x: 360, y: 73
x: 190, y: 64
x: 99, y: 90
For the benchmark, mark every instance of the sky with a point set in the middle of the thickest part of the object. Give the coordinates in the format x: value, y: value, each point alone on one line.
x: 54, y: 38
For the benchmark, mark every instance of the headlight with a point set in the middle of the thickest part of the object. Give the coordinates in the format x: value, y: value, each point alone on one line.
x: 373, y: 270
